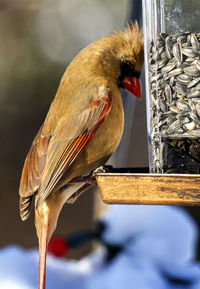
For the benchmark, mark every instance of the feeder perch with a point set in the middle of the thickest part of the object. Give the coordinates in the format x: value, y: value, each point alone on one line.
x: 172, y: 72
x: 151, y: 189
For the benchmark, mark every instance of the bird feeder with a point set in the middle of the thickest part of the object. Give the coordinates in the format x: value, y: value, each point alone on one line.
x: 172, y: 62
x: 172, y: 72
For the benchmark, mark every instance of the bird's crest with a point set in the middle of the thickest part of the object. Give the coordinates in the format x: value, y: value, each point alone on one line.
x: 130, y: 41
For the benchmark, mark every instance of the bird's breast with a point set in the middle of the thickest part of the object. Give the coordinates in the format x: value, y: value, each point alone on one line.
x: 109, y: 134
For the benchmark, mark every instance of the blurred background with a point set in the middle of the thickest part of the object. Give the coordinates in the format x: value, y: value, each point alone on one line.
x: 38, y: 40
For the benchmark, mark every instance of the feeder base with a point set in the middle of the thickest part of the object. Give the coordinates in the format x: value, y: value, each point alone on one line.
x: 125, y: 186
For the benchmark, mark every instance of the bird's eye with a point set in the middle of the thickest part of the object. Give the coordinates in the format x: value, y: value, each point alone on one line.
x: 125, y: 61
x: 128, y: 63
x: 126, y: 67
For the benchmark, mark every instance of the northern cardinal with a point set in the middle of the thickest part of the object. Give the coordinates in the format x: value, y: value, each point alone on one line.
x: 82, y: 129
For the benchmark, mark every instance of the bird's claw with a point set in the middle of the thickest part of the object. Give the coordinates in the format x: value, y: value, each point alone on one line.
x: 102, y: 169
x: 89, y: 179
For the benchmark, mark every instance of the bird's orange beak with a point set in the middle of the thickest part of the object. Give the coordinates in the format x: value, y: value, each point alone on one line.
x: 133, y: 85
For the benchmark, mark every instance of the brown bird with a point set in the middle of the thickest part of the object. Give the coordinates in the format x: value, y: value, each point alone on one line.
x: 82, y: 129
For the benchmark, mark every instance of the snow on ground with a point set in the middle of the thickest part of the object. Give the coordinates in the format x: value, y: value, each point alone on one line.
x: 158, y: 242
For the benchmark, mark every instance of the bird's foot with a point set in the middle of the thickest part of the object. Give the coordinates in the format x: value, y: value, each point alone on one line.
x: 102, y: 169
x: 75, y: 196
x: 89, y: 179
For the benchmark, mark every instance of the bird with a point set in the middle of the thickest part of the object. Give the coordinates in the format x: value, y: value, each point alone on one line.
x: 82, y: 129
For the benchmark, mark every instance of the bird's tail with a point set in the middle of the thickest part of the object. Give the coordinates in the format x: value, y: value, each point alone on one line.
x: 25, y: 204
x: 43, y: 244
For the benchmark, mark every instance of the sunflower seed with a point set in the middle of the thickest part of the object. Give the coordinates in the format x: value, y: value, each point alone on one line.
x: 163, y: 105
x: 194, y: 42
x: 160, y: 50
x: 189, y: 52
x: 164, y: 55
x: 168, y: 67
x: 180, y: 131
x: 182, y: 105
x: 161, y: 63
x: 197, y: 87
x: 168, y: 113
x: 177, y: 52
x: 174, y: 126
x: 198, y: 109
x: 192, y: 70
x: 155, y: 55
x: 168, y: 46
x: 171, y: 81
x: 189, y: 60
x: 156, y: 77
x: 181, y: 89
x: 174, y: 108
x: 168, y: 93
x: 194, y: 94
x: 166, y: 77
x: 184, y: 78
x: 183, y: 65
x: 175, y: 72
x: 160, y: 84
x: 185, y: 44
x: 159, y: 43
x: 190, y: 125
x: 181, y: 115
x: 194, y: 116
x: 197, y: 63
x: 193, y: 82
x: 162, y: 36
x: 172, y: 61
x: 186, y: 120
x: 189, y: 39
x: 196, y: 100
x: 182, y: 39
x: 195, y: 132
x: 174, y: 102
x: 192, y: 105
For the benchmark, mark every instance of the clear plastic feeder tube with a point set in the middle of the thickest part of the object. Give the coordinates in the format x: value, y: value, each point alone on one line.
x: 172, y: 71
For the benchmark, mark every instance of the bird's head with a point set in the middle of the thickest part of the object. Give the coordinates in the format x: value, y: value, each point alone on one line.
x: 120, y: 57
x: 130, y: 54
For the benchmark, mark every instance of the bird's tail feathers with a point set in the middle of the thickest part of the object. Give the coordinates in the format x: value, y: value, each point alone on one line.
x: 25, y: 204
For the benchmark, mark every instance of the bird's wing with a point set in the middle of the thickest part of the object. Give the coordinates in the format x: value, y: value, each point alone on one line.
x: 34, y: 165
x: 50, y: 156
x: 31, y: 174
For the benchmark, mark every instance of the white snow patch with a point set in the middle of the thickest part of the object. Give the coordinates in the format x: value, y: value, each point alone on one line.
x: 157, y: 240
